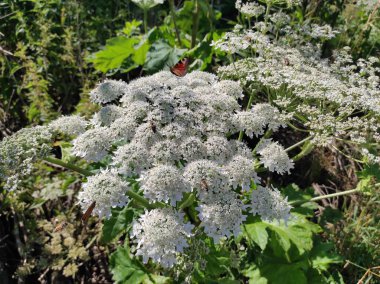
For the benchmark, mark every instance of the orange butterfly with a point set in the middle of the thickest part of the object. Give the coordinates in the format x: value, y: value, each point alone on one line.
x: 88, y: 212
x: 180, y: 69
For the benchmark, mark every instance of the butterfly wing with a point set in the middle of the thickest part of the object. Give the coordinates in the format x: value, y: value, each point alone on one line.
x: 180, y: 69
x: 88, y: 212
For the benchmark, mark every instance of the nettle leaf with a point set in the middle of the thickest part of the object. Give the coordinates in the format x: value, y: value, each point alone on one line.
x: 161, y: 55
x: 127, y: 270
x: 120, y: 220
x: 114, y: 53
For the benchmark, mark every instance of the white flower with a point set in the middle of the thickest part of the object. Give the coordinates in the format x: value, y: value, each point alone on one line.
x: 106, y: 115
x: 240, y: 171
x: 192, y: 149
x: 218, y: 149
x: 69, y: 125
x: 261, y: 115
x: 108, y: 91
x: 93, y: 145
x: 20, y: 151
x: 250, y: 9
x: 230, y: 88
x: 222, y: 215
x: 164, y: 183
x: 165, y: 152
x: 269, y: 204
x: 131, y: 158
x: 274, y: 157
x: 160, y: 235
x: 207, y: 177
x: 147, y: 4
x: 106, y: 189
x: 323, y: 32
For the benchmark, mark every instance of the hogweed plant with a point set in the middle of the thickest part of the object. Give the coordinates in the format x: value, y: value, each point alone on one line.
x: 177, y: 138
x: 331, y: 101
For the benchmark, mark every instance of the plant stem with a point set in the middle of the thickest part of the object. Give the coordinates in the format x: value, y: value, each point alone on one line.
x: 69, y: 166
x: 145, y: 21
x: 249, y: 104
x: 325, y: 196
x: 195, y: 23
x: 172, y: 11
x: 188, y: 201
x: 297, y: 144
x: 144, y: 202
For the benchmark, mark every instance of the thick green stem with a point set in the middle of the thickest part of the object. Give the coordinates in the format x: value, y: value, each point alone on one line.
x: 69, y: 166
x: 145, y: 21
x: 325, y: 196
x: 144, y: 202
x: 187, y: 202
x: 194, y: 32
x: 305, y: 151
x: 172, y: 12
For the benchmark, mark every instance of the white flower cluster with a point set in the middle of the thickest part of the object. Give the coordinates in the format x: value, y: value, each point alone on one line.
x: 270, y: 205
x: 250, y: 9
x: 160, y: 235
x: 20, y: 151
x: 107, y: 189
x: 147, y: 4
x: 170, y: 133
x: 69, y: 125
x: 274, y: 157
x: 332, y: 98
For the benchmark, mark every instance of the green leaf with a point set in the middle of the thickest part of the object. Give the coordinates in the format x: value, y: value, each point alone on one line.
x: 66, y: 151
x: 114, y: 53
x: 257, y: 233
x: 161, y: 55
x: 119, y: 221
x: 141, y: 51
x: 298, y: 232
x: 131, y: 27
x: 254, y: 275
x: 322, y: 258
x: 285, y: 273
x: 124, y: 269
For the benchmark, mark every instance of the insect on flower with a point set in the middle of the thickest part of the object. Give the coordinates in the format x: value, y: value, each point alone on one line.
x: 204, y: 184
x: 153, y: 126
x: 88, y: 212
x: 60, y: 227
x: 180, y: 69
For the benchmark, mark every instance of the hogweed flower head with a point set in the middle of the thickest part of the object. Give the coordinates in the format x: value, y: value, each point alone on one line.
x: 269, y: 204
x: 160, y: 234
x: 173, y: 135
x: 107, y: 189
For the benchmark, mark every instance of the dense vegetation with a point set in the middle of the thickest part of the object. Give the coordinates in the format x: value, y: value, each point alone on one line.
x: 263, y: 159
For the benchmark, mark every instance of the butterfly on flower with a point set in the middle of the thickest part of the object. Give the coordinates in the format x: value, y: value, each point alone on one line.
x: 180, y: 69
